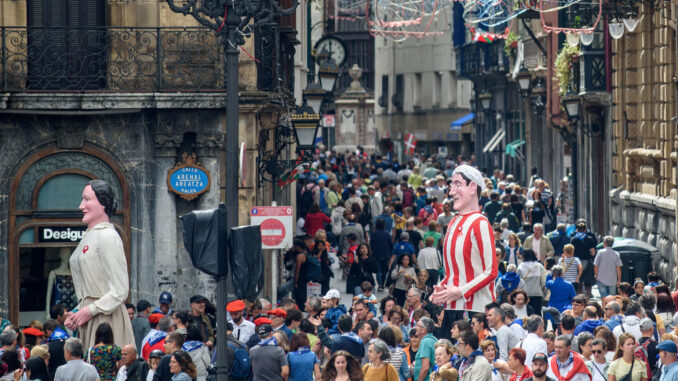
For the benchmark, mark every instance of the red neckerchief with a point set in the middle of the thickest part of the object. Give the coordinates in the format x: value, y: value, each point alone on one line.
x: 578, y: 366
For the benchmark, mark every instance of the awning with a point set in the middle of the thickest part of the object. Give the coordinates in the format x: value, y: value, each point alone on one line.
x: 494, y: 142
x: 456, y: 125
x: 512, y: 148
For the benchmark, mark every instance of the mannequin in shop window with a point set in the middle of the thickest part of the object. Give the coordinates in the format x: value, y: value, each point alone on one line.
x: 99, y: 269
x: 60, y: 288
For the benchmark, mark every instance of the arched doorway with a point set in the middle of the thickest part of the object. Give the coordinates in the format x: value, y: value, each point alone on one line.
x: 45, y: 226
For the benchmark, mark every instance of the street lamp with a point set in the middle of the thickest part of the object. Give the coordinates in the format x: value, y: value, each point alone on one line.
x: 314, y: 94
x: 305, y: 122
x: 572, y: 105
x: 485, y: 100
x: 229, y: 19
x: 538, y: 96
x: 524, y: 78
x: 328, y: 74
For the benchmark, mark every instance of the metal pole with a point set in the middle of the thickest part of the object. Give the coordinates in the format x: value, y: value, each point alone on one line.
x: 231, y: 168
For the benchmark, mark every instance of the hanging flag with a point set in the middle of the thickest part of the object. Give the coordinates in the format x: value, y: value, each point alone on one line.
x: 410, y: 143
x: 486, y: 37
x: 294, y: 173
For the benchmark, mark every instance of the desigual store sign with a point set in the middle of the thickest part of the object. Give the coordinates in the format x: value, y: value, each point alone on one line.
x: 50, y: 234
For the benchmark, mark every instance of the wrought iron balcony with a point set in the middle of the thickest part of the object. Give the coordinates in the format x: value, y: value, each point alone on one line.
x: 479, y: 58
x: 111, y: 59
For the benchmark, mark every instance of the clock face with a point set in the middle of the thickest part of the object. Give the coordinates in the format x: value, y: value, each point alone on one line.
x: 331, y: 47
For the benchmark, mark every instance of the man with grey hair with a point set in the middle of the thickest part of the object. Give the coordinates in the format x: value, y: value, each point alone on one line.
x: 533, y: 343
x: 506, y: 339
x: 75, y: 369
x: 565, y: 364
x: 7, y: 340
x: 425, y: 359
x: 607, y: 268
x: 562, y: 291
x: 541, y: 245
x: 312, y: 306
x: 511, y: 321
x: 132, y: 368
x: 634, y: 312
x: 613, y: 316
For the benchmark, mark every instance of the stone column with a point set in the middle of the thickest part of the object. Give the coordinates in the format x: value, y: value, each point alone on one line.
x: 165, y: 269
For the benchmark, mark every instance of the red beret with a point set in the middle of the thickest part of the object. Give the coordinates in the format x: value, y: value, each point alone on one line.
x: 32, y: 331
x: 155, y: 318
x: 262, y: 320
x: 278, y: 312
x: 236, y: 305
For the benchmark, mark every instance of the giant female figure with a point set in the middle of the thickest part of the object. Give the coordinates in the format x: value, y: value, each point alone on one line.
x: 99, y: 269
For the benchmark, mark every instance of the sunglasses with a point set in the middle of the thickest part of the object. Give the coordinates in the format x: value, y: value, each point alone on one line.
x: 598, y: 351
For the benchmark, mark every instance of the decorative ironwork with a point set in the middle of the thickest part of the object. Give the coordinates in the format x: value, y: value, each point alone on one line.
x: 271, y: 166
x: 592, y: 71
x: 110, y: 58
x: 265, y: 50
x: 477, y: 59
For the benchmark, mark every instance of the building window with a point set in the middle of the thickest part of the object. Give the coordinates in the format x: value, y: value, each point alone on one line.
x: 416, y: 91
x: 383, y: 98
x: 398, y: 96
x: 437, y: 91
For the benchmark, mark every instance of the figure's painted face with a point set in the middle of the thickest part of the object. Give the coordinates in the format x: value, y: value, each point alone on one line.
x: 464, y: 195
x: 90, y: 207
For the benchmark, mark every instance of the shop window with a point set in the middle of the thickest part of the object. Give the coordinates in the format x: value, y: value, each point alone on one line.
x: 62, y: 192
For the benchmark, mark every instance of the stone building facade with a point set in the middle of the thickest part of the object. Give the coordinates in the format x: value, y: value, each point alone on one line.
x: 644, y: 195
x: 149, y: 90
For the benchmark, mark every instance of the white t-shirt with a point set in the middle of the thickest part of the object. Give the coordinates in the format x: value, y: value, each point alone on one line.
x: 536, y: 247
x: 597, y: 371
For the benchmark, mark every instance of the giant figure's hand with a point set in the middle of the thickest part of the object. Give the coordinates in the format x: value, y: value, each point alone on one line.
x: 69, y: 321
x: 444, y: 294
x: 79, y: 318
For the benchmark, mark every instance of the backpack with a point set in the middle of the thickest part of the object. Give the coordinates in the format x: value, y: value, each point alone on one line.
x: 641, y: 354
x: 314, y: 271
x: 241, y: 367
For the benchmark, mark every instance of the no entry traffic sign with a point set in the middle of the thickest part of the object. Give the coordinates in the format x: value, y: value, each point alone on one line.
x: 276, y: 225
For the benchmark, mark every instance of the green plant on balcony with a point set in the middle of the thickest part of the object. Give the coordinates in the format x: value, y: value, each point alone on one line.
x: 564, y: 66
x: 511, y: 44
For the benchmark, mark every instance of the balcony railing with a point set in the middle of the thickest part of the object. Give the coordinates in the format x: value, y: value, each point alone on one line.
x: 476, y: 59
x: 116, y: 59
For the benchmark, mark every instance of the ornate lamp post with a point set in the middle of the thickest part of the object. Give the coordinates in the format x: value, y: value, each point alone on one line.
x: 228, y: 18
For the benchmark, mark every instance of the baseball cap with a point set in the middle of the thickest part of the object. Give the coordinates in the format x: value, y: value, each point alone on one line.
x: 541, y: 357
x: 667, y: 346
x: 264, y: 330
x: 197, y: 299
x: 165, y: 298
x: 332, y: 294
x: 645, y: 324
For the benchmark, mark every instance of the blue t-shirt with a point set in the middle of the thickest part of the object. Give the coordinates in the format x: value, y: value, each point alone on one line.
x: 301, y: 364
x: 403, y: 247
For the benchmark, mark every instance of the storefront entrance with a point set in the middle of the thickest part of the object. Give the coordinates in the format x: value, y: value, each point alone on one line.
x: 45, y: 226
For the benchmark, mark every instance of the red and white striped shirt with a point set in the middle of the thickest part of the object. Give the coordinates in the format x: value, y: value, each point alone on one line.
x: 470, y: 261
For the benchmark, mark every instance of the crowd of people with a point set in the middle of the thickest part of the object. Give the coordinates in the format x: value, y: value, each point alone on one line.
x: 390, y: 232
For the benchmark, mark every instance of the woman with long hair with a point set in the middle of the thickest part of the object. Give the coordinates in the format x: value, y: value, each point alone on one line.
x: 534, y: 275
x: 443, y: 368
x: 320, y: 251
x: 538, y: 212
x: 342, y: 366
x: 514, y: 250
x: 182, y: 367
x: 393, y: 337
x: 378, y: 369
x: 519, y: 301
x: 625, y: 362
x: 36, y: 369
x: 404, y: 275
x: 200, y: 353
x: 364, y: 265
x: 104, y: 355
x: 304, y: 364
x: 385, y: 307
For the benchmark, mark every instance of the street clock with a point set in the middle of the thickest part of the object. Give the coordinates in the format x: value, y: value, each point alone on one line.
x: 330, y: 46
